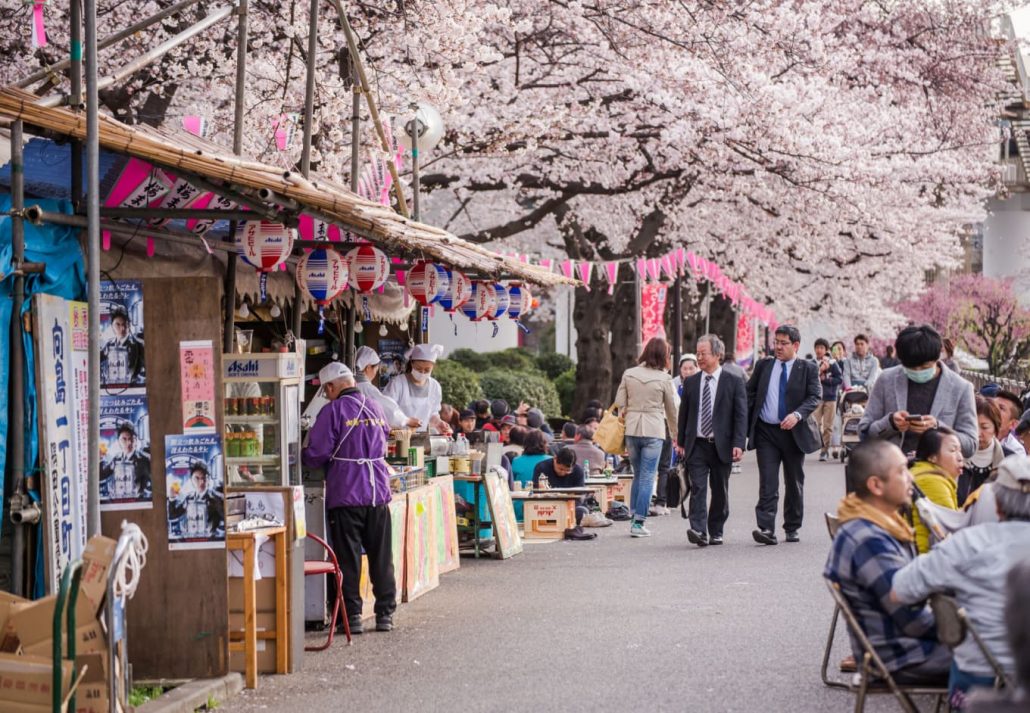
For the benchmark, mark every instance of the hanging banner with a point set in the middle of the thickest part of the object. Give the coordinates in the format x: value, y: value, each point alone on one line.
x: 196, y: 494
x: 78, y: 320
x: 122, y: 363
x: 197, y: 378
x: 652, y: 311
x: 61, y: 526
x: 125, y: 468
x: 745, y: 341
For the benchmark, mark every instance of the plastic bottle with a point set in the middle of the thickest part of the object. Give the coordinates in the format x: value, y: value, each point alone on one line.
x: 544, y: 483
x: 586, y: 467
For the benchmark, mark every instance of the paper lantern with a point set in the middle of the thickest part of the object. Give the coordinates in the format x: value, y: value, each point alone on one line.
x: 427, y: 282
x: 502, y: 301
x: 265, y: 246
x: 520, y: 301
x: 322, y: 274
x: 482, y: 303
x: 457, y: 293
x: 369, y: 268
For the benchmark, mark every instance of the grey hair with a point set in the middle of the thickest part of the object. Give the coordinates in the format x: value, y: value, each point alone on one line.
x: 1013, y: 504
x: 716, y: 345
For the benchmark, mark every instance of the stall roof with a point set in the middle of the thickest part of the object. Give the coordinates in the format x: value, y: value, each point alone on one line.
x: 317, y: 195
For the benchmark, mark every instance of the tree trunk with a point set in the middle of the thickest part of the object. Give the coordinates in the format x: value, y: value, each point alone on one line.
x: 623, y: 348
x: 592, y: 318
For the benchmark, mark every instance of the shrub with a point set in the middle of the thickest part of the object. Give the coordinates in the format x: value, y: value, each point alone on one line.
x: 532, y: 387
x: 471, y: 359
x: 565, y: 385
x: 460, y: 384
x: 514, y: 359
x: 554, y: 365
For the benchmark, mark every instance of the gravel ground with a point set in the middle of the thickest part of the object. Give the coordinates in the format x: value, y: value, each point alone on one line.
x: 614, y: 624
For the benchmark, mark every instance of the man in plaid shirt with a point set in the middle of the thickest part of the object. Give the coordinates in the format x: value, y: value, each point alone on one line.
x: 873, y: 543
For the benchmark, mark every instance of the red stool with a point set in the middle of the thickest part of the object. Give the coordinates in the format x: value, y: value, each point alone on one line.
x: 330, y: 566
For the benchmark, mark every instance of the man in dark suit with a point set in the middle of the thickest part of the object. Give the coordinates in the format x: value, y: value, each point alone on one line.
x: 712, y: 432
x: 782, y: 393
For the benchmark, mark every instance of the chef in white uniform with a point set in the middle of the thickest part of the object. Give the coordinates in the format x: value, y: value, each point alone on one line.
x: 367, y: 363
x: 416, y: 392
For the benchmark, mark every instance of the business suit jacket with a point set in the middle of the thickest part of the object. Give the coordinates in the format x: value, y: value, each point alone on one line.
x: 729, y: 414
x: 803, y: 395
x: 953, y: 406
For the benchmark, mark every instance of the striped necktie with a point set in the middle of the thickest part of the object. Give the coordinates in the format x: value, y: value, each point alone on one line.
x: 706, y: 408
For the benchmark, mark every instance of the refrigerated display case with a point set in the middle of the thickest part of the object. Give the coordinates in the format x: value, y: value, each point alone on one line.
x: 262, y: 418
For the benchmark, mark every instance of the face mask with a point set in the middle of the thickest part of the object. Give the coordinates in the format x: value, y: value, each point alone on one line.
x: 921, y: 376
x: 419, y: 377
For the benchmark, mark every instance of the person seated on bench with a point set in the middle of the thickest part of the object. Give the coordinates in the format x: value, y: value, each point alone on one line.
x: 873, y: 542
x: 562, y: 471
x: 972, y: 564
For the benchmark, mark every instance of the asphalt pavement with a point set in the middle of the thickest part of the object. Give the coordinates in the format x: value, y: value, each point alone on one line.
x: 615, y: 624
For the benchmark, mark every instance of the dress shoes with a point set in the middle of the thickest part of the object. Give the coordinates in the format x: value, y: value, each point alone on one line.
x: 715, y: 540
x: 764, y: 537
x: 697, y: 538
x: 793, y: 536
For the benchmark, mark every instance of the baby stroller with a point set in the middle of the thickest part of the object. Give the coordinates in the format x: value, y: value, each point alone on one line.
x: 851, y: 406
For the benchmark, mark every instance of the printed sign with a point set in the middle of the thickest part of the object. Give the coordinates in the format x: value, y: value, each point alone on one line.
x: 125, y: 468
x: 197, y: 375
x: 78, y: 319
x: 122, y: 362
x: 195, y: 490
x: 63, y: 535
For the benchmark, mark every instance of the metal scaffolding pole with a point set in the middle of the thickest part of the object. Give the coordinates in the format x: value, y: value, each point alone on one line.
x: 355, y: 164
x: 16, y: 456
x: 93, y: 265
x: 305, y: 156
x: 677, y: 322
x: 229, y: 328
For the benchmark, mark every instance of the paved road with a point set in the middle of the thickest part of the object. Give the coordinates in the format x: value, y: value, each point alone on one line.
x: 616, y: 624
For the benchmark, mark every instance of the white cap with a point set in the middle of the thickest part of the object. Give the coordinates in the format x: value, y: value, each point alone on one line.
x: 332, y: 371
x: 365, y: 358
x: 425, y: 352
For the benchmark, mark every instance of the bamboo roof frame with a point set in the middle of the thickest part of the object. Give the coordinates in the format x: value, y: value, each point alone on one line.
x: 318, y: 196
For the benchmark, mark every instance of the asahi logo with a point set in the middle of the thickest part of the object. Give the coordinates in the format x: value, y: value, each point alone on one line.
x: 244, y: 368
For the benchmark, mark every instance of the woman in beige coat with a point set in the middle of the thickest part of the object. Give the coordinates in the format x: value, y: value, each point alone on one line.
x: 646, y: 401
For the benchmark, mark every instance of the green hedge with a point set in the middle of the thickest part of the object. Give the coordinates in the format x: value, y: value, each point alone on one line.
x: 554, y: 364
x: 471, y: 359
x: 460, y: 384
x: 533, y: 387
x: 565, y: 385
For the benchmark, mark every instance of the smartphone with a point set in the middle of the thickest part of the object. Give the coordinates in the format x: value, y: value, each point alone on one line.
x: 913, y: 417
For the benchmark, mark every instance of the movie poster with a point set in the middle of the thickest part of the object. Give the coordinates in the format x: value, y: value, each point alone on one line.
x: 125, y: 468
x: 195, y: 490
x: 122, y: 363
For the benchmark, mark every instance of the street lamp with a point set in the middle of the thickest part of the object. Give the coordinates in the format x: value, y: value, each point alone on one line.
x: 422, y: 132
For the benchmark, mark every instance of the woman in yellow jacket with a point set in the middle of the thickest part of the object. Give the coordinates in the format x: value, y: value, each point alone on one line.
x: 935, y: 472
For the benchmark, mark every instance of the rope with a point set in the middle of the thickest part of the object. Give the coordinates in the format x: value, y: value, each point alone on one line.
x: 131, y: 564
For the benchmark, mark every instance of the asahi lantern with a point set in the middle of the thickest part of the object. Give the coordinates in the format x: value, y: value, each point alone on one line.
x: 502, y: 300
x: 369, y: 268
x: 520, y: 301
x: 264, y: 245
x: 427, y: 282
x: 483, y: 302
x: 458, y: 292
x: 322, y: 274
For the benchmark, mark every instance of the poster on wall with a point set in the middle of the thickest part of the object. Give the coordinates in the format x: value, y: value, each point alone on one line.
x: 391, y: 358
x: 125, y: 468
x: 195, y: 490
x: 197, y: 378
x: 63, y: 536
x: 122, y: 362
x: 78, y: 320
x: 652, y: 311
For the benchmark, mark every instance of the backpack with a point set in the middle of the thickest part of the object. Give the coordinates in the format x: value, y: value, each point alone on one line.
x: 618, y: 511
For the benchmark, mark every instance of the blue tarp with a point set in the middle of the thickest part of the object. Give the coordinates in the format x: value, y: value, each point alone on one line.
x: 65, y: 275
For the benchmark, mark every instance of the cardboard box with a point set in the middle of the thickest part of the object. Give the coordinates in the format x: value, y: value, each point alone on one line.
x: 548, y: 519
x: 26, y: 683
x: 8, y: 640
x: 33, y: 624
x: 265, y: 658
x: 96, y: 563
x: 92, y: 695
x: 264, y: 590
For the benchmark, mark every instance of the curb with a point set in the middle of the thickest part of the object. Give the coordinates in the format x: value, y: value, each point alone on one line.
x: 194, y: 694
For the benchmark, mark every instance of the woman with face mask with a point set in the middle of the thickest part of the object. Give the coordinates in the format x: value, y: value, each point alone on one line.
x: 366, y: 374
x: 905, y: 403
x: 417, y: 393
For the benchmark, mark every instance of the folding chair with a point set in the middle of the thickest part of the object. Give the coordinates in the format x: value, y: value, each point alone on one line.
x: 953, y: 626
x: 322, y: 568
x: 873, y: 676
x: 832, y: 523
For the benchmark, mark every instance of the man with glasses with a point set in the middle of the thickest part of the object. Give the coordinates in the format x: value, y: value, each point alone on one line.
x: 782, y: 393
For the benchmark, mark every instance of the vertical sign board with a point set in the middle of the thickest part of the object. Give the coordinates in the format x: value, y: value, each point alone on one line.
x: 197, y: 379
x: 78, y: 319
x: 57, y: 434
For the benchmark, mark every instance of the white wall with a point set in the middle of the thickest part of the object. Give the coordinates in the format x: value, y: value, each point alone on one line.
x: 471, y: 335
x: 1006, y: 234
x: 564, y: 329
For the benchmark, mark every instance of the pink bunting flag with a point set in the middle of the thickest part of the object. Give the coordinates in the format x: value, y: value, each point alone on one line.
x: 38, y: 27
x: 654, y: 269
x: 285, y: 126
x: 611, y: 271
x: 695, y: 263
x: 196, y: 125
x: 547, y: 263
x: 642, y: 269
x: 524, y: 259
x: 667, y: 266
x: 586, y: 270
x: 567, y: 268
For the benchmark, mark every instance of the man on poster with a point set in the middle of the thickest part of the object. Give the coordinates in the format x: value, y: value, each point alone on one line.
x: 349, y: 440
x: 126, y: 474
x: 122, y: 355
x: 201, y: 506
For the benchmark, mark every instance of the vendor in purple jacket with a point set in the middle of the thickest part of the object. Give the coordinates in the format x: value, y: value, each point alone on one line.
x: 349, y: 441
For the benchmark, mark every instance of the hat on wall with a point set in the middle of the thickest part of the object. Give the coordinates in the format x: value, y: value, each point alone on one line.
x: 332, y: 371
x: 365, y: 358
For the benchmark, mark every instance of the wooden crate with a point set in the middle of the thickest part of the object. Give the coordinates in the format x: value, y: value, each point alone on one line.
x: 622, y: 489
x: 548, y: 518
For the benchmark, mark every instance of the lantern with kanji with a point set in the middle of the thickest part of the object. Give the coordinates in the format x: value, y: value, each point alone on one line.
x: 369, y: 268
x: 502, y: 300
x: 322, y: 274
x: 482, y: 303
x: 520, y: 301
x: 427, y: 282
x: 458, y: 292
x: 265, y: 246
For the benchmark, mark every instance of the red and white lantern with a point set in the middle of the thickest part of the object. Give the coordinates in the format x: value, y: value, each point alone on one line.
x: 502, y: 301
x: 265, y: 246
x: 483, y: 302
x: 458, y: 292
x: 520, y: 301
x: 322, y: 274
x: 427, y: 282
x: 369, y: 268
